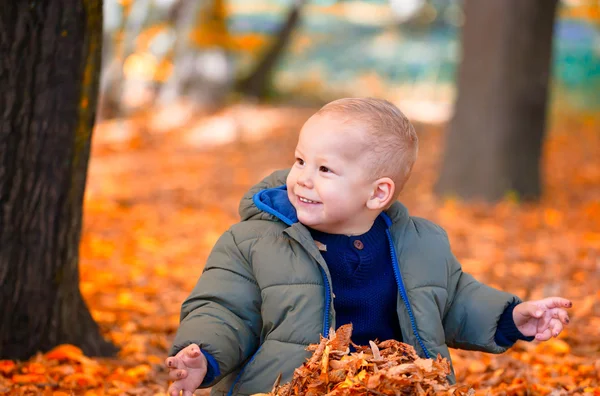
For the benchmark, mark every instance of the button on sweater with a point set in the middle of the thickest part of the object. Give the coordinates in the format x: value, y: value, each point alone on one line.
x: 363, y: 282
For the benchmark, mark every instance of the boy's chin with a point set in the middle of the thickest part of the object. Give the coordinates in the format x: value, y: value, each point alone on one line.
x: 307, y: 222
x: 319, y: 227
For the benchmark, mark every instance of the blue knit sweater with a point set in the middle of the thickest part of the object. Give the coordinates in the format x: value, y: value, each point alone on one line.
x: 363, y: 282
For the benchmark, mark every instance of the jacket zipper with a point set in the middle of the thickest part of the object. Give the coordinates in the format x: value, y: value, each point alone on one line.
x: 237, y: 378
x: 403, y: 294
x: 327, y: 303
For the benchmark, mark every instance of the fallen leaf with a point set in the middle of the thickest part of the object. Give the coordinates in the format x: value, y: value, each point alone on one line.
x: 7, y: 366
x: 64, y: 352
x: 29, y: 379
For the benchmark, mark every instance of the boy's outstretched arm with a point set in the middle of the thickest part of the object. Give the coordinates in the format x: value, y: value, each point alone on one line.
x: 222, y: 314
x: 473, y: 310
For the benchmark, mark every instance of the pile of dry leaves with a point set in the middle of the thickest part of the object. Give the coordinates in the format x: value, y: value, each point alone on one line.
x: 385, y: 368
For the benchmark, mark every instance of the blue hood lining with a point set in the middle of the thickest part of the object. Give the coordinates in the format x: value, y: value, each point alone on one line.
x: 275, y: 201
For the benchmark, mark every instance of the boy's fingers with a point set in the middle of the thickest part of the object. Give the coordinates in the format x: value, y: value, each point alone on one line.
x: 177, y: 374
x: 198, y: 361
x: 561, y: 315
x: 193, y: 351
x: 557, y: 302
x: 544, y: 336
x: 175, y: 388
x: 530, y: 309
x: 188, y: 393
x: 172, y: 362
x: 556, y: 327
x: 177, y: 361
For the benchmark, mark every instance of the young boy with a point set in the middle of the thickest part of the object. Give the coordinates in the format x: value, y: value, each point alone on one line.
x: 327, y: 244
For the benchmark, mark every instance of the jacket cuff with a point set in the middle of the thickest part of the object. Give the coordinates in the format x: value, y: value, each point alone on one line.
x: 212, y: 370
x: 507, y: 332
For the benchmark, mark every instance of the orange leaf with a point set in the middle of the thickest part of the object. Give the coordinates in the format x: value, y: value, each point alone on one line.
x: 79, y: 380
x: 7, y: 366
x: 34, y: 368
x: 61, y: 371
x: 29, y: 379
x: 65, y: 352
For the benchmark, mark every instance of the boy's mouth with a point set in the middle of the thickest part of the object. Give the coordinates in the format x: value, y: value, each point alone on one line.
x: 306, y: 200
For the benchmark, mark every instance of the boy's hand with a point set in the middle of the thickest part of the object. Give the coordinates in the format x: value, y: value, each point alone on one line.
x: 187, y: 369
x: 542, y: 318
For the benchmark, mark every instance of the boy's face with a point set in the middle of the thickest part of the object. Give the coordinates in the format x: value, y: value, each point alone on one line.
x: 328, y: 183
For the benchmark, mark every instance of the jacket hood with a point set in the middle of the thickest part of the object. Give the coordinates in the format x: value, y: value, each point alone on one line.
x: 268, y: 200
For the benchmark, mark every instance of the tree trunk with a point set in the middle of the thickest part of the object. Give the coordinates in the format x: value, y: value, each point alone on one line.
x: 258, y: 82
x: 49, y: 71
x: 494, y: 142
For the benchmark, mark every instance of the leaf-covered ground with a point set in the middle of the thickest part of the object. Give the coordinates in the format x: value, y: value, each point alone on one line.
x: 159, y: 195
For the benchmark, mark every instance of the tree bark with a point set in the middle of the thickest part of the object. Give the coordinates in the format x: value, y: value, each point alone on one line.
x: 494, y: 142
x: 49, y: 71
x: 257, y: 83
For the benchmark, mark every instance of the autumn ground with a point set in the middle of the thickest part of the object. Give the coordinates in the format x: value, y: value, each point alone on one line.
x: 159, y: 196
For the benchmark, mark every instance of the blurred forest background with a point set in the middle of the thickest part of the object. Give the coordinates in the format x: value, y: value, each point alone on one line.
x: 155, y: 51
x: 197, y: 100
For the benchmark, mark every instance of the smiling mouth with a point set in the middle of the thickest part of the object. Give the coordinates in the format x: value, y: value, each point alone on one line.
x: 308, y: 201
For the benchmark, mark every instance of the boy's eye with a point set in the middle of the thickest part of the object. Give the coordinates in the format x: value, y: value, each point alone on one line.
x: 324, y: 169
x: 300, y: 161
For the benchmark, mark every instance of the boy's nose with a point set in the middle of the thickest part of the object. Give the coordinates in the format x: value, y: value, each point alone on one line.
x: 305, y: 180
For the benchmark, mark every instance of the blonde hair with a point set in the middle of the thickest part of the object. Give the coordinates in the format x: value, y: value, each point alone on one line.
x: 391, y: 141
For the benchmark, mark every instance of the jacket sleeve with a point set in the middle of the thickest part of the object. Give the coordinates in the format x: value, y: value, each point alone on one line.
x: 473, y: 311
x: 222, y: 314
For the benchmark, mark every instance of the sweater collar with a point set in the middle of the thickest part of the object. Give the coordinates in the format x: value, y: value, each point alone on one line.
x: 365, y: 241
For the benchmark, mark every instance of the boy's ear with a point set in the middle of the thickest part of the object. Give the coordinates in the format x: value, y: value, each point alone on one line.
x: 382, y: 195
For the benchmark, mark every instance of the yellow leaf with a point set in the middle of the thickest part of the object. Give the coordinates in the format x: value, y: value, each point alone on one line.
x: 348, y: 383
x: 138, y: 373
x: 553, y: 346
x: 361, y: 376
x: 325, y: 361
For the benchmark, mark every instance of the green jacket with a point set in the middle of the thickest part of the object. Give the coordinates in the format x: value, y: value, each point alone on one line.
x: 265, y: 294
